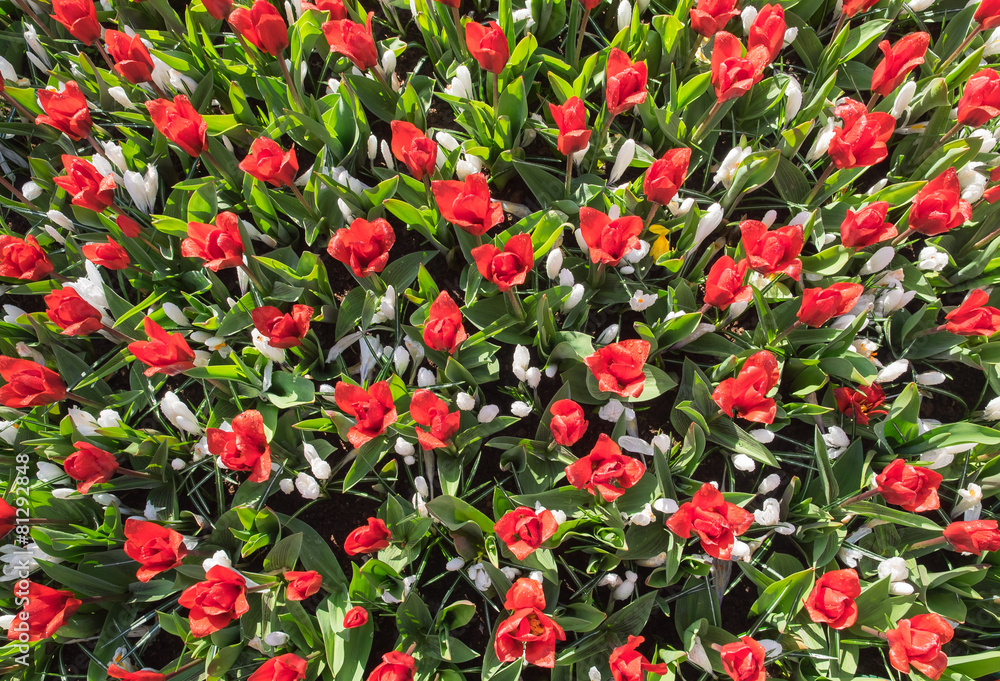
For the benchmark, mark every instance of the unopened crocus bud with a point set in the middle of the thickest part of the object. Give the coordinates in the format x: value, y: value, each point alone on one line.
x: 488, y: 413
x: 891, y: 372
x: 553, y: 263
x: 930, y: 378
x: 179, y: 414
x: 879, y: 260
x: 624, y: 15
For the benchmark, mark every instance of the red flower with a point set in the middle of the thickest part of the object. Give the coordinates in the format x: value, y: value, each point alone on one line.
x: 618, y: 367
x: 609, y: 240
x: 746, y: 394
x: 973, y: 536
x: 590, y: 4
x: 66, y: 111
x: 395, y: 666
x: 488, y: 46
x: 528, y: 632
x: 287, y: 667
x: 860, y: 403
x: 179, y: 123
x: 127, y: 225
x: 267, y: 161
x: 973, y: 317
x: 467, y: 204
x: 774, y: 252
x: 429, y: 410
x: 71, y: 313
x: 216, y: 602
x: 368, y: 538
x: 244, y: 448
x: 724, y: 285
x: 768, y: 31
x: 80, y: 19
x: 418, y: 151
x: 219, y: 245
x: 29, y: 384
x: 605, y: 470
x: 716, y: 521
x: 219, y: 9
x: 571, y: 119
x: 282, y: 330
x: 939, y: 206
x: 7, y: 518
x: 711, y: 16
x: 110, y: 255
x: 353, y: 40
x: 86, y: 185
x: 336, y: 8
x: 507, y: 268
x: 820, y: 305
x: 164, y: 353
x: 628, y: 664
x: 917, y: 642
x: 852, y: 7
x: 364, y: 246
x: 302, y: 585
x: 132, y: 59
x: 905, y: 55
x: 568, y: 424
x: 373, y: 409
x: 355, y: 617
x: 22, y: 258
x: 732, y: 73
x: 443, y: 330
x: 156, y: 548
x: 744, y: 660
x: 116, y: 672
x: 45, y: 611
x: 89, y: 466
x: 861, y: 142
x: 262, y: 25
x: 832, y: 599
x: 666, y: 176
x: 626, y: 82
x: 866, y: 227
x: 912, y: 488
x: 980, y: 102
x: 523, y: 531
x: 987, y: 15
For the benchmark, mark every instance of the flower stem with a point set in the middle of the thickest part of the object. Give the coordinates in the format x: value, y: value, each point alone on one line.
x: 14, y: 190
x: 27, y: 115
x: 818, y: 187
x: 103, y: 52
x: 597, y: 274
x: 873, y: 632
x: 569, y: 172
x: 982, y: 242
x: 84, y: 400
x: 960, y: 49
x: 651, y: 215
x: 302, y: 200
x: 934, y: 147
x: 579, y: 39
x: 288, y: 80
x: 859, y: 497
x: 840, y: 25
x: 458, y: 31
x: 781, y: 336
x: 928, y: 542
x: 703, y: 126
x: 902, y: 237
x: 872, y: 101
x: 496, y: 94
x: 34, y: 17
x: 514, y: 304
x: 184, y: 668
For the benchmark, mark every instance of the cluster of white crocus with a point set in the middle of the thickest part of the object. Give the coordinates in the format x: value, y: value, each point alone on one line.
x: 931, y: 259
x: 477, y: 573
x: 725, y: 172
x: 897, y: 572
x: 405, y: 450
x: 320, y: 468
x: 894, y: 297
x: 836, y: 441
x: 142, y: 188
x: 386, y: 306
x: 86, y: 424
x: 621, y: 588
x: 972, y: 181
x: 769, y: 515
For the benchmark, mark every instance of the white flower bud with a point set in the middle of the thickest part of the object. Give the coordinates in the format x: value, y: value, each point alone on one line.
x: 426, y: 378
x: 575, y: 296
x: 726, y: 172
x: 903, y: 98
x: 60, y: 219
x: 179, y: 414
x: 836, y: 441
x: 118, y: 94
x: 553, y: 263
x: 307, y: 486
x: 769, y: 484
x: 566, y: 277
x: 611, y: 411
x: 404, y: 448
x: 276, y: 639
x: 388, y: 62
x: 520, y: 409
x: 930, y: 259
x: 992, y: 411
x: 454, y: 564
x: 879, y: 260
x: 891, y: 372
x: 931, y: 378
x: 624, y: 15
x: 465, y: 401
x: 488, y: 413
x: 744, y: 463
x: 822, y: 143
x: 762, y: 435
x: 747, y: 16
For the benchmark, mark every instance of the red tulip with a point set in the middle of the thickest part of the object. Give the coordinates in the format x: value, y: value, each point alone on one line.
x: 395, y: 666
x: 302, y: 585
x: 156, y: 548
x: 609, y: 240
x: 973, y: 317
x: 524, y: 531
x: 666, y: 176
x: 71, y: 313
x: 287, y: 667
x: 45, y: 611
x: 373, y: 409
x: 768, y: 31
x: 80, y: 19
x: 110, y: 255
x: 244, y: 448
x: 571, y: 119
x: 568, y: 423
x: 905, y: 55
x: 917, y: 642
x: 724, y: 284
x: 219, y: 9
x: 832, y: 599
x: 980, y: 102
x: 180, y: 123
x: 618, y: 367
x: 744, y: 660
x: 861, y: 141
x: 860, y: 403
x: 852, y: 7
x: 746, y: 395
x: 336, y: 8
x: 488, y: 46
x: 116, y: 672
x: 268, y: 162
x: 605, y: 471
x: 282, y: 330
x: 625, y: 81
x: 368, y: 538
x: 912, y: 488
x: 820, y: 305
x: 509, y: 267
x: 29, y: 384
x: 66, y: 111
x: 732, y: 73
x: 364, y: 246
x: 987, y: 15
x: 451, y: 3
x: 939, y: 206
x: 590, y: 4
x: 164, y: 353
x: 22, y: 258
x: 219, y: 245
x: 444, y: 331
x: 467, y: 204
x: 431, y: 411
x: 867, y: 227
x: 132, y: 60
x: 89, y: 466
x: 8, y: 518
x: 353, y: 40
x: 774, y: 252
x: 412, y: 147
x: 262, y: 25
x: 355, y: 617
x: 86, y: 185
x: 716, y: 521
x: 215, y: 602
x: 711, y: 16
x: 628, y: 664
x: 528, y: 633
x: 128, y: 226
x: 973, y: 536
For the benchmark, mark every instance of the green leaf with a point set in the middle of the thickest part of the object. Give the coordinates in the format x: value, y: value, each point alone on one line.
x: 289, y: 391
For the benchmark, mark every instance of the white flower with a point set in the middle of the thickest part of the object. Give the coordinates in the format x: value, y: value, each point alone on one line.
x: 522, y: 361
x: 741, y: 551
x: 60, y: 219
x: 655, y: 561
x: 388, y: 61
x: 635, y: 445
x: 930, y: 378
x: 624, y: 16
x: 425, y: 378
x: 747, y: 16
x: 593, y: 674
x: 892, y: 371
x: 836, y: 441
x: 762, y: 435
x: 403, y: 448
x: 454, y: 564
x: 791, y: 33
x: 575, y: 296
x: 488, y: 413
x: 610, y: 579
x: 553, y: 263
x: 641, y: 301
x: 643, y: 517
x: 510, y: 573
x: 793, y: 98
x: 970, y: 503
x: 118, y: 94
x: 744, y: 463
x: 637, y: 253
x: 769, y: 484
x: 879, y: 260
x: 307, y: 486
x: 622, y: 161
x: 611, y: 411
x: 709, y: 220
x: 893, y: 568
x: 931, y: 259
x: 218, y: 558
x: 286, y: 485
x: 769, y: 514
x: 698, y: 332
x: 372, y: 147
x: 276, y: 639
x: 465, y: 401
x: 822, y: 142
x: 726, y: 171
x: 320, y: 468
x: 625, y: 589
x: 264, y: 347
x: 179, y: 414
x: 903, y: 98
x: 698, y: 657
x: 520, y: 409
x: 578, y: 156
x: 919, y: 5
x: 400, y: 358
x: 992, y: 46
x: 973, y: 183
x: 662, y: 442
x: 478, y: 574
x: 992, y: 411
x: 849, y: 557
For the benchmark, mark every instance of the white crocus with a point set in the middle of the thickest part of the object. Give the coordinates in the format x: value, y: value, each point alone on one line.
x: 553, y: 263
x: 793, y: 99
x: 400, y: 359
x: 522, y: 362
x: 488, y: 413
x: 895, y: 569
x: 769, y: 484
x: 930, y: 378
x: 465, y: 401
x: 119, y: 95
x: 320, y: 468
x: 930, y: 259
x: 903, y: 99
x: 891, y: 372
x: 744, y: 463
x: 625, y: 589
x: 726, y: 171
x: 626, y: 153
x: 635, y: 445
x: 612, y: 411
x: 574, y: 298
x: 762, y: 435
x: 992, y: 410
x: 307, y: 486
x: 179, y: 414
x: 624, y: 15
x: 836, y: 441
x: 822, y: 142
x: 641, y: 301
x: 919, y: 5
x: 879, y: 260
x: 747, y: 16
x: 520, y: 409
x: 769, y: 515
x: 970, y: 503
x: 264, y: 347
x: 479, y: 576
